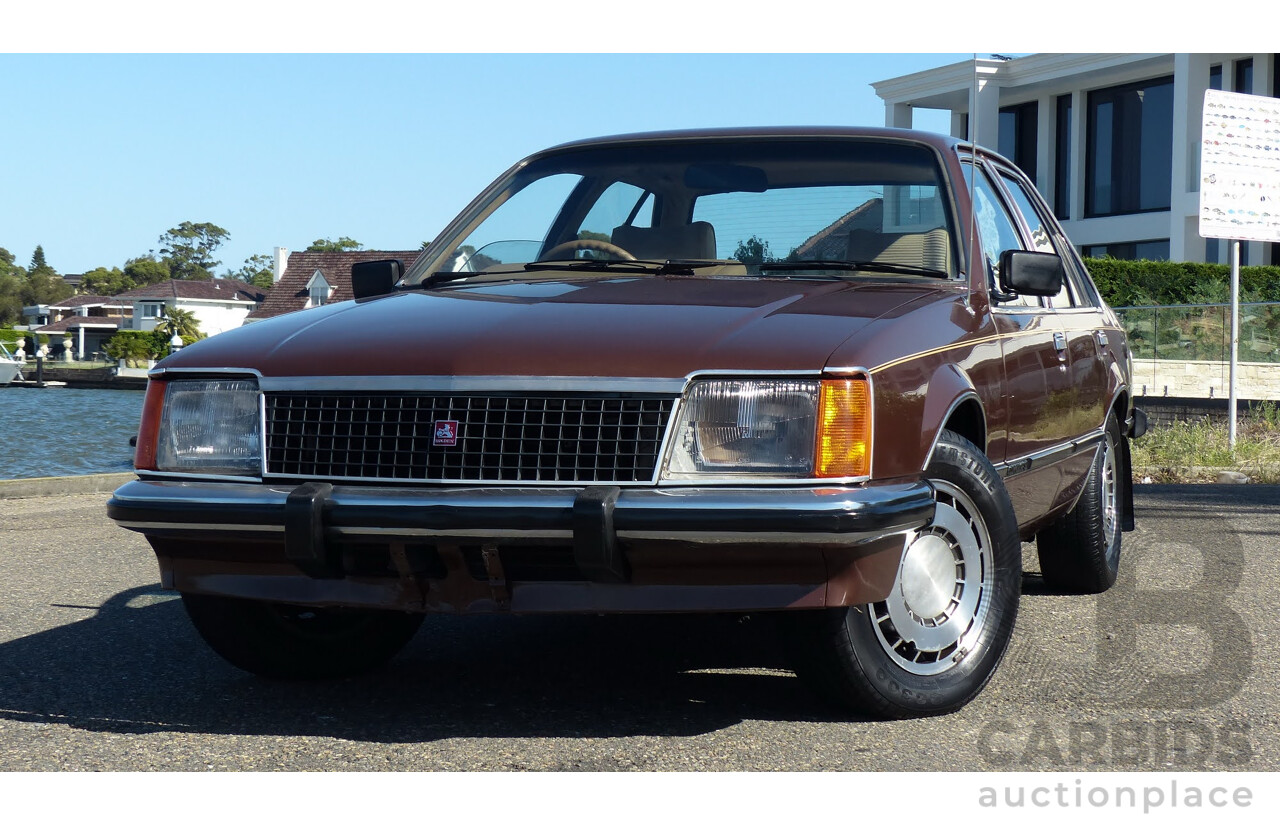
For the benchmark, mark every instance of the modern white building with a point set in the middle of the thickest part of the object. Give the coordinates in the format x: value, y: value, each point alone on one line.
x: 1111, y: 140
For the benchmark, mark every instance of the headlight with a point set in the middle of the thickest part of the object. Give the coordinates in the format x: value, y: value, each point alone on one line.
x: 772, y: 428
x: 209, y: 426
x: 748, y: 428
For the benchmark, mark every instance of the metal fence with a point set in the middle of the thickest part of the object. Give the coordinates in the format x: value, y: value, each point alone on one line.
x: 1202, y: 332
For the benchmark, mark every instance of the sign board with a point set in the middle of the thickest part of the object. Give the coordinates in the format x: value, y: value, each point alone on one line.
x: 1240, y: 167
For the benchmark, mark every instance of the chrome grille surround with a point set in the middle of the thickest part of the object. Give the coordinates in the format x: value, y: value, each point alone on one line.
x: 509, y: 437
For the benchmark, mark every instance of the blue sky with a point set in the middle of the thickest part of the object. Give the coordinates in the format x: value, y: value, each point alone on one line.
x: 101, y: 154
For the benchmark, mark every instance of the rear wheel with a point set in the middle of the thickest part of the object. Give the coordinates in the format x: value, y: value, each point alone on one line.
x: 283, y: 641
x: 1080, y: 552
x: 931, y: 646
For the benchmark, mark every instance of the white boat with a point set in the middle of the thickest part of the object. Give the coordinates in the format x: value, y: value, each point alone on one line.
x: 9, y: 366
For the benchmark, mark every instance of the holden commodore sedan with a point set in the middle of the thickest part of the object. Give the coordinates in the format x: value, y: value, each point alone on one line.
x: 840, y: 374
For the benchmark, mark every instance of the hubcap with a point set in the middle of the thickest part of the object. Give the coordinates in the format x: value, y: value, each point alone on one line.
x: 939, y: 603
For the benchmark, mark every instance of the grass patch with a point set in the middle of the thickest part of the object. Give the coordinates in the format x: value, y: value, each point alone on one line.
x: 1189, y: 451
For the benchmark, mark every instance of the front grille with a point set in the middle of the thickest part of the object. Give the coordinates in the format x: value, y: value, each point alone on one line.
x: 497, y: 438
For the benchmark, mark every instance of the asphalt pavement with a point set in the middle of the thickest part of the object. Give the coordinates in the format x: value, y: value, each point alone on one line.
x: 1176, y: 668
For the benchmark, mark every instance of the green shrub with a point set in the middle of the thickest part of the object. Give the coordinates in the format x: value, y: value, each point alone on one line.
x: 133, y: 346
x: 1145, y: 283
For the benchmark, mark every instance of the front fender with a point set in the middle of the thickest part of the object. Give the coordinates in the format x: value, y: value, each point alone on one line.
x: 909, y: 421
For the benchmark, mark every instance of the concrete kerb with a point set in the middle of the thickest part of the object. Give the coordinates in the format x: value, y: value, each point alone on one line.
x: 62, y: 485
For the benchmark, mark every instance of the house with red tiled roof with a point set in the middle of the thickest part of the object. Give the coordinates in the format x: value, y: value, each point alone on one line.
x: 218, y: 304
x: 88, y: 320
x: 309, y: 279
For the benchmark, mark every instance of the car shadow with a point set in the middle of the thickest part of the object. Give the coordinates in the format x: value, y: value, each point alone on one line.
x: 136, y: 665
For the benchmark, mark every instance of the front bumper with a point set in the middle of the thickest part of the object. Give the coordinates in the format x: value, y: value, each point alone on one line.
x: 468, y: 549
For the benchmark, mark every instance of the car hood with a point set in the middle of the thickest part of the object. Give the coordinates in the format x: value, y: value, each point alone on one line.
x: 654, y: 326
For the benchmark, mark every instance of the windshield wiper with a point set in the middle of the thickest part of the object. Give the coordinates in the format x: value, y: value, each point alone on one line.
x: 671, y: 267
x: 852, y: 266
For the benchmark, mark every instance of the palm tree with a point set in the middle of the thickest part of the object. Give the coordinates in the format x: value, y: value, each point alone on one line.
x: 182, y: 322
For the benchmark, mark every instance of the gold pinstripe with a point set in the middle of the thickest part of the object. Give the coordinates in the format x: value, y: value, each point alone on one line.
x: 959, y: 345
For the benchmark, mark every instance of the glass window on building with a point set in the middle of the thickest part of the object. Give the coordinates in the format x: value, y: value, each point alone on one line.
x: 1211, y: 249
x: 1157, y: 250
x: 1018, y: 136
x: 1244, y: 77
x: 1062, y: 159
x: 1129, y: 155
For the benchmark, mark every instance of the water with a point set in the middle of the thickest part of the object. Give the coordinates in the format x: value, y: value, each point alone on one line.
x: 66, y: 432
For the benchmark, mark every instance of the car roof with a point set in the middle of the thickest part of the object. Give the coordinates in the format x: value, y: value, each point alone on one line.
x: 940, y: 142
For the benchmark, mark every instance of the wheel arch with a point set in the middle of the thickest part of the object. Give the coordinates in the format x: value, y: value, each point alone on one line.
x: 953, y: 402
x: 1120, y: 407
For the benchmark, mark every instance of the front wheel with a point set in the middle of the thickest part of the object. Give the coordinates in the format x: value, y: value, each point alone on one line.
x: 933, y: 644
x: 283, y: 641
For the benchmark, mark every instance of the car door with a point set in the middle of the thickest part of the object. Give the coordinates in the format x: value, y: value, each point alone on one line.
x: 1080, y: 318
x: 1036, y: 361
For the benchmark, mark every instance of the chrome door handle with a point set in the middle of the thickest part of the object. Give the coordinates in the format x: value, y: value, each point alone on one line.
x: 1060, y: 342
x: 1102, y: 338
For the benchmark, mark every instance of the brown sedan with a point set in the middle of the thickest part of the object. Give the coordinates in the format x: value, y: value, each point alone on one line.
x: 836, y: 372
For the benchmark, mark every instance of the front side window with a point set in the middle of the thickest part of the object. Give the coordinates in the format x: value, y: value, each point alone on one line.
x: 998, y: 232
x: 1040, y: 237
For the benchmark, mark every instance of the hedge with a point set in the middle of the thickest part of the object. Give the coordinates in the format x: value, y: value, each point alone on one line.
x: 1145, y: 283
x: 11, y: 337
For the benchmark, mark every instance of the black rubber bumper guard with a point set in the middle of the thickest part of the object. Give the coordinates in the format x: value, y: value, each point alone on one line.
x: 595, y: 541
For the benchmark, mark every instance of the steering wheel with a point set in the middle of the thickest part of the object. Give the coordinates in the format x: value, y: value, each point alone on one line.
x: 587, y: 243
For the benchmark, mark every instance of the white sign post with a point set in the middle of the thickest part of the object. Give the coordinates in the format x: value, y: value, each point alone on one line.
x: 1239, y: 189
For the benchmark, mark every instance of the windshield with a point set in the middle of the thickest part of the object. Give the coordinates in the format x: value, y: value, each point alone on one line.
x: 730, y: 207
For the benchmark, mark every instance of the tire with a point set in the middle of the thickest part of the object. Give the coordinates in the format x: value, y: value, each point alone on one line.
x: 925, y: 651
x: 281, y: 641
x: 1080, y: 552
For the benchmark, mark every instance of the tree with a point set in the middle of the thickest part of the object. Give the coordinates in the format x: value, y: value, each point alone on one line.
x: 343, y: 244
x: 753, y: 251
x: 188, y: 250
x: 43, y: 288
x: 145, y: 271
x: 10, y: 297
x: 258, y: 270
x: 7, y: 266
x: 181, y: 322
x: 38, y: 263
x: 103, y: 281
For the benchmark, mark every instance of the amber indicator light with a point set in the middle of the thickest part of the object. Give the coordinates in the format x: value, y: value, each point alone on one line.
x: 144, y: 456
x: 844, y: 428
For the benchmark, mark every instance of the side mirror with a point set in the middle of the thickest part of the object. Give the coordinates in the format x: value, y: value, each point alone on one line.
x: 1030, y: 273
x: 373, y: 278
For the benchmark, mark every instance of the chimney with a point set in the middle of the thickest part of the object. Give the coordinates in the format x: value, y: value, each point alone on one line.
x: 281, y: 262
